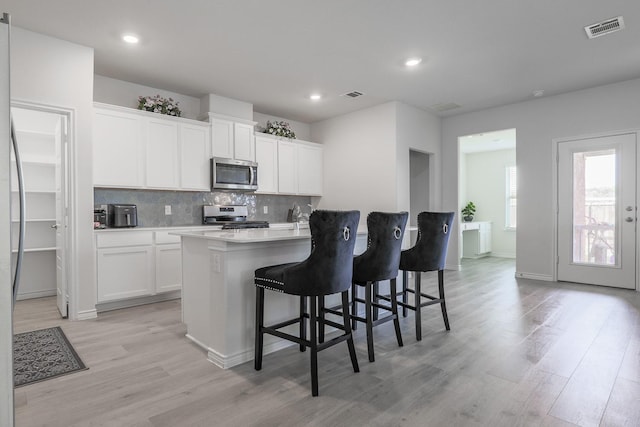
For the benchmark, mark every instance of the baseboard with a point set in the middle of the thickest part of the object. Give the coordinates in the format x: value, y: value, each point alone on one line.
x: 534, y: 276
x: 87, y: 314
x: 132, y: 302
x: 453, y: 267
x: 226, y: 362
x: 503, y: 255
x: 36, y: 294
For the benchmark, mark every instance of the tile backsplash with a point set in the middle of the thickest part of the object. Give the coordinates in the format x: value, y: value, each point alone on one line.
x: 186, y: 206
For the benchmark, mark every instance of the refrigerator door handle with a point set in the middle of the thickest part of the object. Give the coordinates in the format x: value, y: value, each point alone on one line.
x: 21, y: 195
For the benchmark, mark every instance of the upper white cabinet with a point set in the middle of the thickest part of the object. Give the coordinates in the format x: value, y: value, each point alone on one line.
x: 232, y: 138
x: 310, y: 167
x: 195, y: 153
x: 138, y: 149
x: 288, y: 166
x: 267, y: 159
x: 117, y: 149
x: 161, y: 154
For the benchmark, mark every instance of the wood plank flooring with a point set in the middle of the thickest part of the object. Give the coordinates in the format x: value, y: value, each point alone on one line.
x: 519, y: 353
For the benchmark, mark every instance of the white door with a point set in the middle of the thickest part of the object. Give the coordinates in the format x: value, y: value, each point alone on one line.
x: 61, y: 216
x: 597, y: 210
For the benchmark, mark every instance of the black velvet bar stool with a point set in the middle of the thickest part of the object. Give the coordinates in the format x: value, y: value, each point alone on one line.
x: 428, y: 254
x: 378, y: 263
x: 328, y: 270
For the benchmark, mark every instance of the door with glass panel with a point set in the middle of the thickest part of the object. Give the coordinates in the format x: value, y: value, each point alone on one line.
x: 597, y: 211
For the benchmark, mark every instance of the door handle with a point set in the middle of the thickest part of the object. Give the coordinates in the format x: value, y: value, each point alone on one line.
x: 628, y: 219
x: 54, y: 226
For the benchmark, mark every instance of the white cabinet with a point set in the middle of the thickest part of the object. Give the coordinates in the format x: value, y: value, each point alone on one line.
x: 168, y: 262
x: 138, y: 149
x: 137, y: 263
x: 118, y: 149
x: 161, y: 154
x: 267, y: 159
x: 124, y: 265
x: 288, y: 166
x: 476, y: 239
x: 195, y: 153
x: 232, y: 138
x: 310, y: 167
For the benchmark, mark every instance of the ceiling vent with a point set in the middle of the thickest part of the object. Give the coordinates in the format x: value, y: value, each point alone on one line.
x: 353, y: 94
x: 605, y: 27
x: 445, y: 106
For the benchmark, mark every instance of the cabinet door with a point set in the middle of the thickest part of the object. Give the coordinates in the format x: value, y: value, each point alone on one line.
x: 222, y: 138
x: 162, y: 154
x: 267, y: 159
x: 124, y: 272
x: 287, y: 170
x: 484, y: 238
x: 117, y: 141
x: 243, y: 142
x: 310, y: 158
x: 168, y: 267
x: 194, y: 158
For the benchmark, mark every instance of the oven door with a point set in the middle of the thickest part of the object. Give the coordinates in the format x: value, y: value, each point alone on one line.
x: 229, y: 174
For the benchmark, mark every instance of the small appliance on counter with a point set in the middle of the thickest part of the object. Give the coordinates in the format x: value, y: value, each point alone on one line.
x: 122, y: 216
x: 99, y: 218
x: 230, y: 217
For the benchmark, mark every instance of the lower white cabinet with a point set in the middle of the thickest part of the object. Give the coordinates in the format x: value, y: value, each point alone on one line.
x: 137, y: 263
x: 476, y: 239
x: 124, y: 272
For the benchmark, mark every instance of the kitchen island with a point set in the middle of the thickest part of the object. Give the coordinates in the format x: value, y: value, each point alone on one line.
x: 218, y: 293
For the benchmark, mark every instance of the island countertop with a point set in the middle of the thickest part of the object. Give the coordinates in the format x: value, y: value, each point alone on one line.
x: 252, y: 235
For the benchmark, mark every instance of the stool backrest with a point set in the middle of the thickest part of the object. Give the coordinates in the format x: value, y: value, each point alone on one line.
x: 384, y: 243
x: 329, y: 267
x: 430, y: 250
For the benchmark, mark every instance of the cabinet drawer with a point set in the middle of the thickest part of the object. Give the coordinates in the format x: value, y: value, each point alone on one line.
x: 125, y: 238
x: 163, y: 237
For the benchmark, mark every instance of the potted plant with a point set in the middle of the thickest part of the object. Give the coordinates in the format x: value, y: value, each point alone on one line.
x: 468, y: 212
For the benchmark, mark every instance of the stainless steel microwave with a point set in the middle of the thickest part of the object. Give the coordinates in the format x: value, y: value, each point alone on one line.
x: 229, y: 174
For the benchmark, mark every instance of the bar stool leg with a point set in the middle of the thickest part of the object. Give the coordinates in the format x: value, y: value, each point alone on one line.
x: 257, y: 360
x: 418, y: 301
x: 354, y: 306
x: 443, y: 305
x: 405, y: 277
x: 314, y: 345
x: 375, y: 300
x: 321, y: 319
x: 368, y: 315
x: 394, y: 310
x: 347, y: 330
x: 303, y: 325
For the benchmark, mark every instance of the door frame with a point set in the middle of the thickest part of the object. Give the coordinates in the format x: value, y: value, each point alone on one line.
x: 554, y: 192
x: 66, y: 154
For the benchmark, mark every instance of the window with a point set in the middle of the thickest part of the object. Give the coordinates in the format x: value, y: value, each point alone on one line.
x: 511, y: 199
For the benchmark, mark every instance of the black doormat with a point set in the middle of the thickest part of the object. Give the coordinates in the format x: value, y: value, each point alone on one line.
x: 43, y: 354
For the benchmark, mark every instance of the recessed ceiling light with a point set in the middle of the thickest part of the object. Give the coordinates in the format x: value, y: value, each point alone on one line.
x: 130, y: 38
x: 315, y: 97
x: 412, y: 62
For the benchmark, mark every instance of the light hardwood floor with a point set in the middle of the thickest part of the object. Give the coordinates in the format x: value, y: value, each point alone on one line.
x: 519, y: 353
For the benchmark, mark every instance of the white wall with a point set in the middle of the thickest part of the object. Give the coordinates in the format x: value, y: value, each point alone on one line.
x: 58, y: 73
x: 420, y: 131
x: 359, y: 160
x: 125, y: 94
x: 486, y: 186
x: 367, y: 163
x: 302, y: 130
x: 537, y: 122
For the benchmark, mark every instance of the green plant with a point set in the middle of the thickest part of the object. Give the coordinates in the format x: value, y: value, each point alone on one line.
x: 158, y: 104
x: 279, y: 129
x: 469, y: 210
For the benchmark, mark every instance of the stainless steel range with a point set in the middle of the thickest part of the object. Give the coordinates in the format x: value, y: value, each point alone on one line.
x: 230, y: 217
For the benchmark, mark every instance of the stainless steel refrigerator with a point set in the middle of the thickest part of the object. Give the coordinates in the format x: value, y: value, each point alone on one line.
x: 6, y: 273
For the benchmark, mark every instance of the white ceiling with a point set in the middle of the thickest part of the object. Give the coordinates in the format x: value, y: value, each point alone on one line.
x: 488, y: 141
x: 274, y: 53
